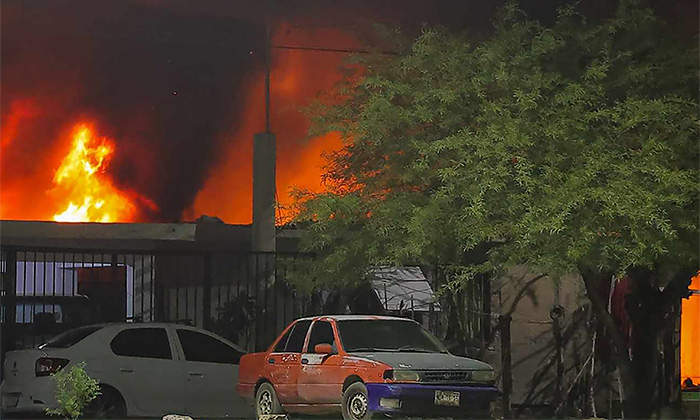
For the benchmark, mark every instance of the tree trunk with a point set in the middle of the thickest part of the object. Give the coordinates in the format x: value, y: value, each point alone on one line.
x: 620, y: 354
x: 651, y: 311
x: 645, y: 333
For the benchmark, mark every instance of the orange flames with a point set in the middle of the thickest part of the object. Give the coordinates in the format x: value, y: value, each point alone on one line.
x: 69, y: 175
x: 81, y: 179
x: 67, y: 181
x: 690, y: 335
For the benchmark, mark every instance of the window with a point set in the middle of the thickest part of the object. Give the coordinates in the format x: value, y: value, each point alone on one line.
x: 296, y: 339
x: 321, y: 332
x: 387, y: 335
x: 69, y: 338
x: 200, y: 347
x: 142, y: 342
x: 283, y: 341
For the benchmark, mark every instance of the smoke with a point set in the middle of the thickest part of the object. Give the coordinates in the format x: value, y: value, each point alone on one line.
x: 177, y: 86
x: 161, y: 84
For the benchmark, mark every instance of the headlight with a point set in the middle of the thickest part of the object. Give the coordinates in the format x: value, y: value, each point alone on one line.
x: 483, y: 376
x: 406, y: 376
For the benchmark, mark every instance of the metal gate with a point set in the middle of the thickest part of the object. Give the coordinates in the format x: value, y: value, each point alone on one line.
x: 244, y: 297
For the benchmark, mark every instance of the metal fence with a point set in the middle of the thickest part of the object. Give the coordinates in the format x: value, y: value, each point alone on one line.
x: 245, y: 297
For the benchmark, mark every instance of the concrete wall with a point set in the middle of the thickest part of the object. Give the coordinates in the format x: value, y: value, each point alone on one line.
x: 532, y: 336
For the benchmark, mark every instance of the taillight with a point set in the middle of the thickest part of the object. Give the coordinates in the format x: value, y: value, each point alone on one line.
x: 46, y: 366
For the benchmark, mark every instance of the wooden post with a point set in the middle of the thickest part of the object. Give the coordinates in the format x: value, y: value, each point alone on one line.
x: 556, y: 327
x: 413, y: 313
x: 386, y: 300
x: 506, y: 366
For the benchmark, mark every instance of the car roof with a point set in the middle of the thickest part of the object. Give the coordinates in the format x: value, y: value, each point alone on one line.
x: 117, y: 325
x: 356, y: 318
x: 145, y: 324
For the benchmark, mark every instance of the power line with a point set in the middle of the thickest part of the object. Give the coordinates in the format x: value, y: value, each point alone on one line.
x: 338, y: 50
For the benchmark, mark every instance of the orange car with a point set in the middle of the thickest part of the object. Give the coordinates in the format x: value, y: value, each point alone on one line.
x: 360, y: 365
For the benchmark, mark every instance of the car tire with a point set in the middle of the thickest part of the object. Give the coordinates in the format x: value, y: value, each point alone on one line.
x: 355, y: 403
x: 266, y: 402
x: 108, y: 405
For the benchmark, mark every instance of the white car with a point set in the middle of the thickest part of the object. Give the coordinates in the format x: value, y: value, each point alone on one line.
x: 145, y: 369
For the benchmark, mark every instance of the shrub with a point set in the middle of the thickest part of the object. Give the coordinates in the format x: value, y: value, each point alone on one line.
x: 74, y: 390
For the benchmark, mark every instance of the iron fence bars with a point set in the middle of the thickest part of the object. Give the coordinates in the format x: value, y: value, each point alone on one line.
x: 244, y: 296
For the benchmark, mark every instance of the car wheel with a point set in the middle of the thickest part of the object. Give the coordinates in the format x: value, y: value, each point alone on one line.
x: 355, y: 403
x: 108, y: 405
x: 266, y: 402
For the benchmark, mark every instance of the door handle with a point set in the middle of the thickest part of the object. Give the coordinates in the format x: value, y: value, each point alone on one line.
x: 125, y: 370
x: 196, y: 374
x: 304, y: 361
x: 271, y: 361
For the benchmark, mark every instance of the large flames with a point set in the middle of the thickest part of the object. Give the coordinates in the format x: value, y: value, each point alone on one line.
x: 690, y: 335
x: 72, y: 173
x: 81, y: 180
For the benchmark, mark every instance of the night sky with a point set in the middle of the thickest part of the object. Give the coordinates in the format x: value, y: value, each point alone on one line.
x: 166, y: 77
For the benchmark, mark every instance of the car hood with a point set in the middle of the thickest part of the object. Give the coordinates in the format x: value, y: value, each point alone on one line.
x: 420, y: 361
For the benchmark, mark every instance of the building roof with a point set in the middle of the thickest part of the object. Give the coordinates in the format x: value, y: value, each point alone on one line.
x: 402, y: 288
x: 202, y: 235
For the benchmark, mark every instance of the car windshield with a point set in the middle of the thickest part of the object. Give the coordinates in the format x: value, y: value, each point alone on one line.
x: 70, y: 338
x: 387, y: 335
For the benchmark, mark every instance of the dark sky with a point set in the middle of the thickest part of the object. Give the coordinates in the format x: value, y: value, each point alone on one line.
x: 164, y: 77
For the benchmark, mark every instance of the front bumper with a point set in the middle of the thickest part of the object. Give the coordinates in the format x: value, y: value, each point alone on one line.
x: 420, y: 398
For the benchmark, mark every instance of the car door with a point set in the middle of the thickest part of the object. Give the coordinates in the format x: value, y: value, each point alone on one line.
x: 320, y: 379
x: 147, y: 370
x: 211, y: 369
x: 283, y: 364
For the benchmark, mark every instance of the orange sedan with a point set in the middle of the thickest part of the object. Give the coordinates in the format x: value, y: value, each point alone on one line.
x: 362, y: 364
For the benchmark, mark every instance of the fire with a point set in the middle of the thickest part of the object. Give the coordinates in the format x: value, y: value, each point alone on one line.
x: 690, y: 335
x: 81, y: 179
x: 296, y: 78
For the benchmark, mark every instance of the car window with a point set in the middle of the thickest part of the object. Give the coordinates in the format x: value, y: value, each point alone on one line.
x: 321, y: 332
x: 283, y: 341
x: 151, y: 343
x: 200, y: 347
x: 70, y: 338
x: 387, y: 335
x: 296, y: 339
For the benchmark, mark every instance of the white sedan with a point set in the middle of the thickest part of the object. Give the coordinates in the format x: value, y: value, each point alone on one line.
x: 148, y: 369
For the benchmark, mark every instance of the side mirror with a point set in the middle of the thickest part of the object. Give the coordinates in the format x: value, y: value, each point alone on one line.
x: 323, y: 348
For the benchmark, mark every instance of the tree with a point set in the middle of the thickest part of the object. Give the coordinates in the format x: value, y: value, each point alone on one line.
x: 571, y: 148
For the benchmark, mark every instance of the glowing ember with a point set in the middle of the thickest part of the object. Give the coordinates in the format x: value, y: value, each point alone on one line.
x: 81, y: 179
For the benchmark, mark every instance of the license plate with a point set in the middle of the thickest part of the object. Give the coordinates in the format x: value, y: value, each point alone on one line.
x: 446, y: 398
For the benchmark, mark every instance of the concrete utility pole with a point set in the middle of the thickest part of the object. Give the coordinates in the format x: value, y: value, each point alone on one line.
x: 264, y: 167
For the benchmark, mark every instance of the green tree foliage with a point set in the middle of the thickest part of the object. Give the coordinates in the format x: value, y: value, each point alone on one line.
x: 575, y: 144
x: 570, y: 148
x: 74, y: 391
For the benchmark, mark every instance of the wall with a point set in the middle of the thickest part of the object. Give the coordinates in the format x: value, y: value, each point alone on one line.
x: 532, y: 336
